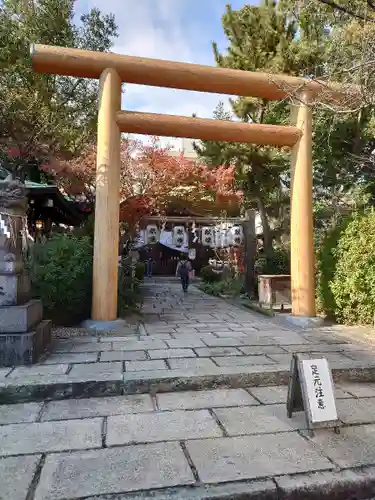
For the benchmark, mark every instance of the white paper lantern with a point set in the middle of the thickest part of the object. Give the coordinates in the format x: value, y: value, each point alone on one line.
x: 216, y: 237
x: 236, y: 235
x: 208, y: 236
x: 225, y: 239
x: 222, y: 235
x: 152, y: 234
x: 178, y: 236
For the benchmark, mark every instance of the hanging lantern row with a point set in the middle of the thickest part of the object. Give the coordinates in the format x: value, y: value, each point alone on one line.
x: 210, y: 236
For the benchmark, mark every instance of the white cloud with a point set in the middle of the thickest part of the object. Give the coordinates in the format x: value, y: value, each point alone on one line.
x: 163, y: 29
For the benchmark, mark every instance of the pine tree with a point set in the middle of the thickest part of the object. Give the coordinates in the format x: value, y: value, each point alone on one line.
x: 263, y: 38
x: 343, y: 134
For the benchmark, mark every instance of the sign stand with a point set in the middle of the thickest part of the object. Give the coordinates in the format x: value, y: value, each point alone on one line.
x: 311, y: 390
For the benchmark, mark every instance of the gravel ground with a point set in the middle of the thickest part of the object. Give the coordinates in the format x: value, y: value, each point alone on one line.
x: 71, y: 332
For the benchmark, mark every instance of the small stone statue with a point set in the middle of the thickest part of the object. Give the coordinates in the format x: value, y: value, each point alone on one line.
x: 13, y: 193
x: 13, y: 207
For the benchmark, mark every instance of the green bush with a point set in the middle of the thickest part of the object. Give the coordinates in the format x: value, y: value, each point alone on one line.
x: 352, y: 286
x: 326, y: 261
x: 87, y: 229
x: 213, y: 288
x: 208, y: 275
x: 230, y: 287
x: 129, y: 296
x: 276, y: 262
x: 61, y: 276
x: 140, y: 270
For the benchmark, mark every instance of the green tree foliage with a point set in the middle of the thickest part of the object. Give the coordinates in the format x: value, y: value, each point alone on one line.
x: 263, y: 38
x: 362, y: 10
x: 308, y: 38
x: 42, y: 115
x: 343, y: 133
x: 343, y: 169
x: 278, y: 262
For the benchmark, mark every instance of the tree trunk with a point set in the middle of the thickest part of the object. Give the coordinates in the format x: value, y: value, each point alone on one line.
x: 267, y: 234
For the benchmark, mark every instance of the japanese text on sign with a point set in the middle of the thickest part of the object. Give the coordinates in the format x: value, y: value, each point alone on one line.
x: 319, y: 394
x: 319, y: 389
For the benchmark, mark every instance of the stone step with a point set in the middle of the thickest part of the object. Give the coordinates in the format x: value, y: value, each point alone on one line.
x: 25, y: 348
x: 64, y: 381
x: 21, y: 318
x: 212, y: 445
x: 326, y: 485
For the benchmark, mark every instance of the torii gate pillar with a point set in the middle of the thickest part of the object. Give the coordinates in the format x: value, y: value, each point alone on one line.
x: 107, y: 203
x: 302, y: 229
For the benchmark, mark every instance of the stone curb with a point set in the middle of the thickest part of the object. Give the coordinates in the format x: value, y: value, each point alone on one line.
x: 10, y: 394
x: 176, y: 380
x: 255, y: 308
x: 248, y: 490
x: 137, y: 383
x: 339, y: 485
x: 15, y: 391
x: 358, y: 484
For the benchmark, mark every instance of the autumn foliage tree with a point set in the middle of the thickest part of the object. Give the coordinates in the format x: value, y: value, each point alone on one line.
x: 152, y: 180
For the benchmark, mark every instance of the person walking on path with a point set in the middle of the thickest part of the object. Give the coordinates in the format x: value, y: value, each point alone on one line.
x: 149, y: 265
x: 183, y: 271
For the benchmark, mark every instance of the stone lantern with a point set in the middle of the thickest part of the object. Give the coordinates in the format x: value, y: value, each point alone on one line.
x: 23, y: 334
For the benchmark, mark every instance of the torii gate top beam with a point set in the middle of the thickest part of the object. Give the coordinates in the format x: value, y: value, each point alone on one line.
x: 158, y: 73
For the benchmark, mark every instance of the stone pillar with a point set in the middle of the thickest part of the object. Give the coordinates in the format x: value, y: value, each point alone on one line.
x: 301, y: 227
x: 107, y: 202
x: 23, y: 334
x: 250, y: 242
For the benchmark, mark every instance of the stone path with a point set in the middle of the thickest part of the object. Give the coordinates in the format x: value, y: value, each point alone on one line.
x: 193, y: 408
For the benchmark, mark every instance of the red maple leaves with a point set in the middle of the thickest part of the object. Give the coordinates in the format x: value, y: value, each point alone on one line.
x: 152, y: 179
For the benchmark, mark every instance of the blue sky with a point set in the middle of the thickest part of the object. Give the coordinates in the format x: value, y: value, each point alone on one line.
x: 178, y: 30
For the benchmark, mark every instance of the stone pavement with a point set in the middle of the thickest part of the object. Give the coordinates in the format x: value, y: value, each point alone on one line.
x: 193, y: 408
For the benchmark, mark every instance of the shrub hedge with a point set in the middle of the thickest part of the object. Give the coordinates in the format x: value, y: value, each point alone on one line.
x: 326, y: 261
x: 61, y: 276
x: 60, y: 269
x: 208, y: 275
x: 346, y: 270
x: 353, y: 284
x: 129, y: 296
x: 277, y: 262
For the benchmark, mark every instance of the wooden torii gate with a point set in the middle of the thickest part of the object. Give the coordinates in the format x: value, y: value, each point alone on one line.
x: 112, y: 70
